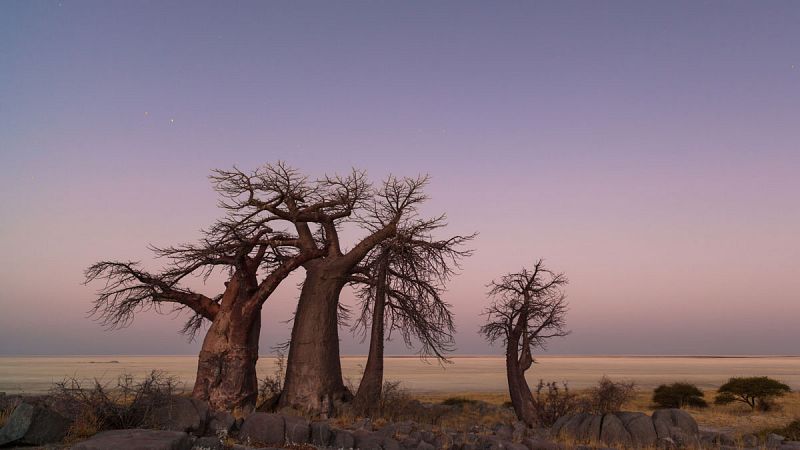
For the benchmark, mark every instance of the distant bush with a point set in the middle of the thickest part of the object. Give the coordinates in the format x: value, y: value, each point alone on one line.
x: 609, y: 396
x: 757, y: 392
x: 458, y: 401
x: 679, y: 395
x: 551, y: 402
x: 128, y: 404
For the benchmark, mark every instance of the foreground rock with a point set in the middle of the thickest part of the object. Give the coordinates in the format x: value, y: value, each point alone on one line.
x: 34, y: 425
x: 183, y: 414
x: 137, y: 440
x: 667, y: 427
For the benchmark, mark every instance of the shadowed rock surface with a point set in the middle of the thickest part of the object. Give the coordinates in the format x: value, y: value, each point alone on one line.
x: 137, y: 440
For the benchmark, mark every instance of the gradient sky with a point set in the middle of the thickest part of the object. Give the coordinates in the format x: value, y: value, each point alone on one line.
x: 650, y: 150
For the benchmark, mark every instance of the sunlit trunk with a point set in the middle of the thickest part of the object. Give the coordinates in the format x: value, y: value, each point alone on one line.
x: 226, y: 370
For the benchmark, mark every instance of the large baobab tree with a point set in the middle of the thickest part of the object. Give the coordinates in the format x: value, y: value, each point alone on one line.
x: 527, y: 308
x: 400, y: 285
x: 247, y: 247
x: 313, y: 370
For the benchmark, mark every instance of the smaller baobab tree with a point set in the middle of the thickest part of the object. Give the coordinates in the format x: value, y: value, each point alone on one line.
x: 527, y: 308
x: 400, y: 286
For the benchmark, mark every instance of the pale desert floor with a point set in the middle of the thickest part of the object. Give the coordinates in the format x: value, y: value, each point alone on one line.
x: 480, y: 374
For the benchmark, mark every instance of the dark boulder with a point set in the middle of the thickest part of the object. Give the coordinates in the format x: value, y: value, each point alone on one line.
x: 137, y: 440
x: 34, y: 425
x: 298, y: 430
x: 263, y: 428
x: 182, y: 414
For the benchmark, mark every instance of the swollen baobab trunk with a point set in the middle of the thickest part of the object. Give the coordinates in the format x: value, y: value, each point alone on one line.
x: 313, y: 371
x: 226, y: 368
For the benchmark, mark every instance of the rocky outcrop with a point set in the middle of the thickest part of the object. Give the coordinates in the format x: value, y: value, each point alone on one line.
x: 34, y: 425
x: 137, y: 440
x: 182, y: 414
x: 667, y: 427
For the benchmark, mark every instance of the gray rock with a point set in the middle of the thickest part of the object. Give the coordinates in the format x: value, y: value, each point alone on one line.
x: 774, y: 440
x: 298, y: 430
x: 263, y: 428
x: 676, y: 425
x: 388, y: 430
x: 409, y: 442
x: 390, y: 444
x: 137, y: 440
x: 182, y: 414
x: 573, y: 426
x: 790, y: 445
x: 425, y: 446
x: 666, y: 419
x: 207, y: 443
x: 556, y: 428
x: 35, y: 425
x: 641, y: 428
x: 320, y: 433
x: 343, y: 439
x: 613, y: 432
x: 405, y: 427
x: 748, y: 440
x: 368, y: 440
x: 221, y: 422
x: 540, y: 444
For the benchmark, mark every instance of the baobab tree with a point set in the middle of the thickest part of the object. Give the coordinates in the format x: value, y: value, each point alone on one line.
x: 527, y: 308
x: 400, y: 285
x: 313, y: 379
x: 248, y: 247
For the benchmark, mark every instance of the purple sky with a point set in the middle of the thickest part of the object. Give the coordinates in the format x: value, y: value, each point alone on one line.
x: 647, y: 149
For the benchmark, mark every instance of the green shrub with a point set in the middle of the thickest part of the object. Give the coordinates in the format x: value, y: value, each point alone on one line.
x: 756, y: 392
x: 678, y: 395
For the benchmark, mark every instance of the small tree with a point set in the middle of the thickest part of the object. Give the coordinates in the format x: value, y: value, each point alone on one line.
x: 756, y: 392
x: 527, y: 309
x: 679, y: 395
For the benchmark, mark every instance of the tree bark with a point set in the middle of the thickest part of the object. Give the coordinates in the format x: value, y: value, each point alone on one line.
x: 313, y: 369
x: 521, y: 396
x: 371, y: 385
x: 226, y: 368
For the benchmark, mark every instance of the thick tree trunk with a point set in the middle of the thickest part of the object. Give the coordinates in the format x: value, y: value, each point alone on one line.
x: 226, y: 370
x: 313, y: 369
x: 369, y: 390
x: 518, y: 389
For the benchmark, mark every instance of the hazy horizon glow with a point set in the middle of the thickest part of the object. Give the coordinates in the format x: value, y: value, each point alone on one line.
x: 649, y: 150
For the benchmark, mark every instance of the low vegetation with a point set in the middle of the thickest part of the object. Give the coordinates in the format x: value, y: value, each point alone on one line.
x: 551, y: 401
x: 126, y: 404
x: 679, y: 395
x: 756, y: 392
x: 609, y: 396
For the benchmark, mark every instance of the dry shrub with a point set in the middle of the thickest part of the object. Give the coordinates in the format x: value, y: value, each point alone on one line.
x: 6, y: 411
x: 551, y: 402
x: 609, y: 396
x: 127, y: 404
x: 271, y: 386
